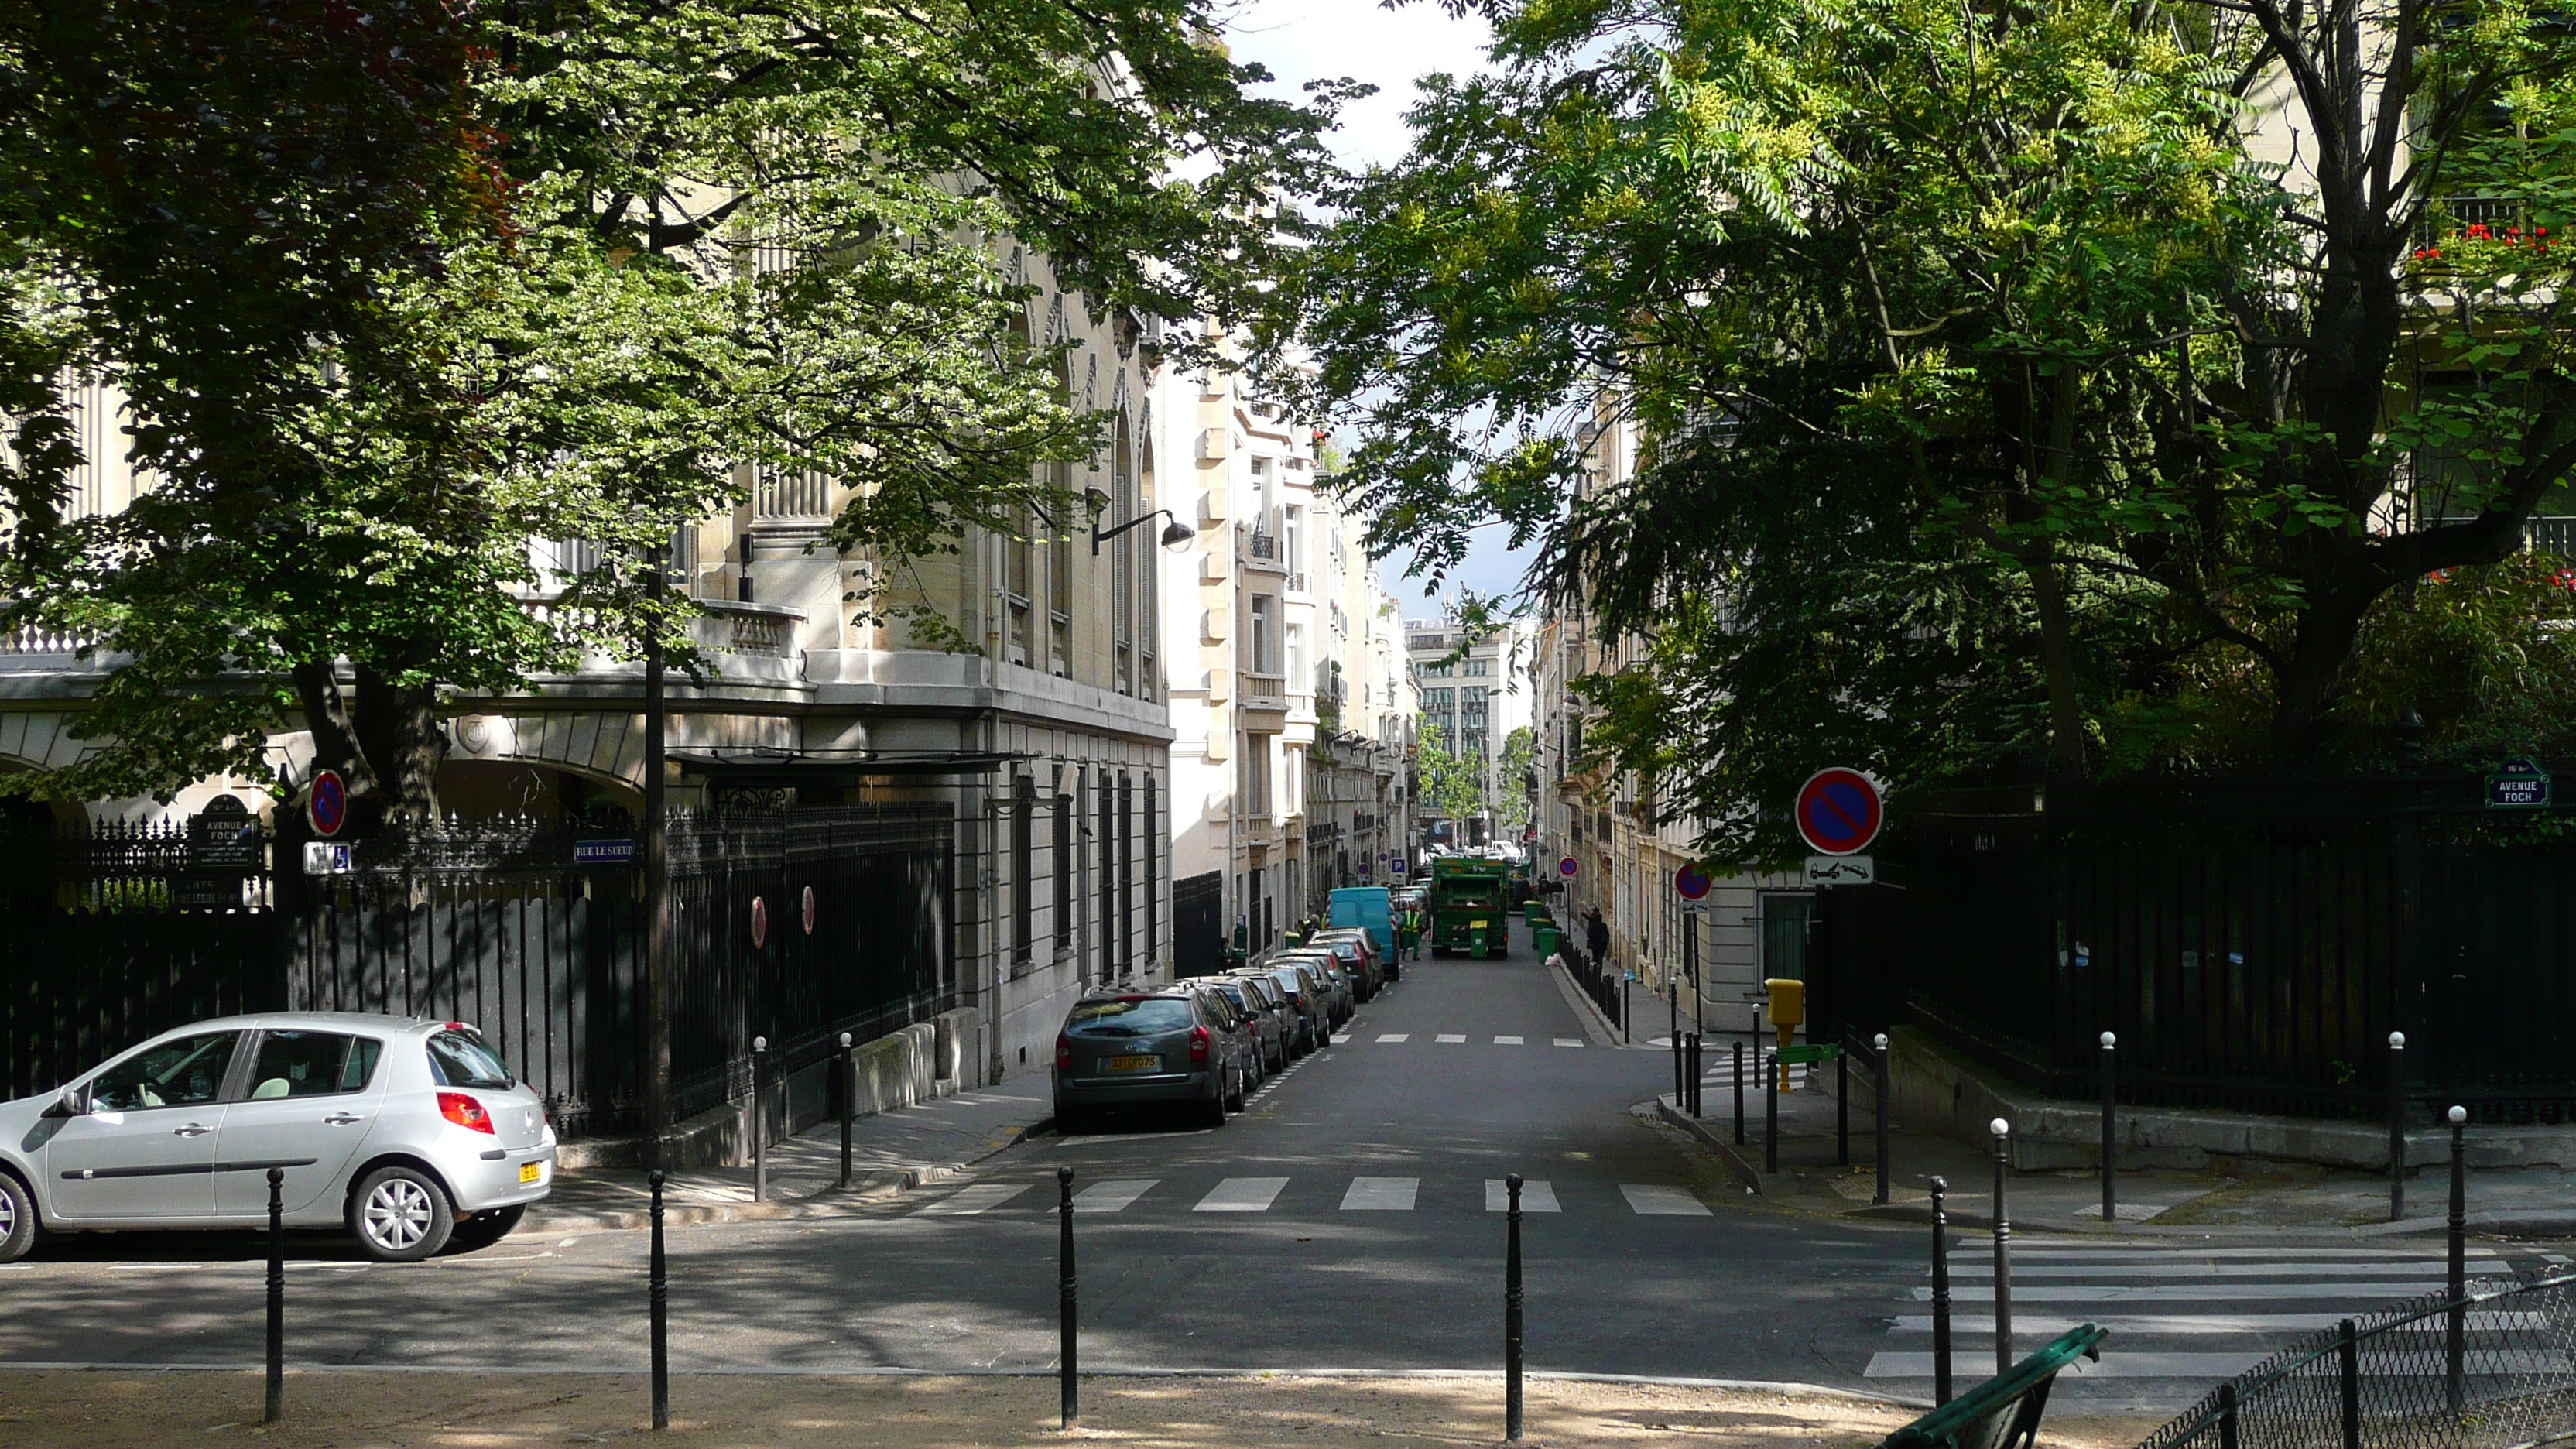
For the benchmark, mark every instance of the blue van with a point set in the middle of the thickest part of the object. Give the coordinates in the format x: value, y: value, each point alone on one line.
x: 1371, y: 909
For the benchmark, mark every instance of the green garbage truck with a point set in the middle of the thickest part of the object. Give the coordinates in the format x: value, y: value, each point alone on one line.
x: 1468, y: 909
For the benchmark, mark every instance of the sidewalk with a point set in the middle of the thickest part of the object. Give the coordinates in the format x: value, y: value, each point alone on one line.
x: 889, y: 1152
x: 79, y: 1409
x: 2255, y: 1199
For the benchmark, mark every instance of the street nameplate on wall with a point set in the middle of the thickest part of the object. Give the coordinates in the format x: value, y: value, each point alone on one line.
x: 1834, y: 870
x: 2517, y: 785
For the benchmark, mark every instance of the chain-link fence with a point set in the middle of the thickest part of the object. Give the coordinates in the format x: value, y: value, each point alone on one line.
x: 2490, y: 1369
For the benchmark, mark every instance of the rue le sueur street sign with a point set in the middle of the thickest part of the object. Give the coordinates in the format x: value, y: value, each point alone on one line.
x: 2517, y: 785
x: 1838, y: 811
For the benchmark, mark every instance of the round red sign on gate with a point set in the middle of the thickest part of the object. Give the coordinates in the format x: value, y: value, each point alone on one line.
x: 328, y: 806
x: 809, y: 910
x: 759, y: 921
x: 1839, y: 811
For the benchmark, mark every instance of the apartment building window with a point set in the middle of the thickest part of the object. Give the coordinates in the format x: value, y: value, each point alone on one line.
x: 1786, y: 921
x: 1024, y: 880
x: 1126, y: 874
x: 1439, y: 699
x: 1265, y: 635
x: 1122, y: 604
x: 1060, y: 861
x: 1102, y: 849
x: 1153, y: 835
x: 1297, y: 658
x: 1059, y: 479
x: 1479, y: 668
x: 1256, y: 776
x: 1019, y: 562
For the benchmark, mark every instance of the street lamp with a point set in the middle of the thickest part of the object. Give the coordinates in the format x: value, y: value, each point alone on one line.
x: 1174, y: 534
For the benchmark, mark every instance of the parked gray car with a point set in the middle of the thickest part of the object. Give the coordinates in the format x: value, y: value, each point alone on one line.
x: 1305, y: 993
x: 1139, y: 1048
x: 1340, y: 997
x: 1274, y: 1006
x: 411, y: 1134
x: 1269, y: 1037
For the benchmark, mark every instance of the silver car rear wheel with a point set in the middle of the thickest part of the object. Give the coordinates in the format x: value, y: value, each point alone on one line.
x: 400, y: 1215
x: 17, y: 1219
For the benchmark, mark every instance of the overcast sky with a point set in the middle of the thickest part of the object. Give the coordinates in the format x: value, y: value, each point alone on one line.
x: 1303, y: 40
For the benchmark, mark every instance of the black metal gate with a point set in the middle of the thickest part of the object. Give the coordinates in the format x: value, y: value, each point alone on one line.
x: 1198, y: 924
x: 126, y: 932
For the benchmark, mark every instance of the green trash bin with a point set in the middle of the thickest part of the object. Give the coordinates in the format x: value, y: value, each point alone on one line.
x: 1544, y: 938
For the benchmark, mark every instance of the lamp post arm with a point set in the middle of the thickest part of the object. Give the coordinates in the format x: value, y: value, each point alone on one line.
x: 1100, y: 535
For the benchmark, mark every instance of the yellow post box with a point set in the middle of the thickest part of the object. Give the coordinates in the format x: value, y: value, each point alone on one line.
x: 1788, y: 1009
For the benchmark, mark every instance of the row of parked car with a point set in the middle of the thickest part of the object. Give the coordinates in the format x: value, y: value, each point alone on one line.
x: 1204, y: 1043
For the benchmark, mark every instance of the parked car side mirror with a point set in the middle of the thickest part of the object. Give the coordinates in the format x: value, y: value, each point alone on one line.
x: 72, y: 1103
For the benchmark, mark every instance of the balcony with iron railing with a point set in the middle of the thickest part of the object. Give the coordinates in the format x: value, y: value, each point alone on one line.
x: 1259, y: 551
x: 760, y: 631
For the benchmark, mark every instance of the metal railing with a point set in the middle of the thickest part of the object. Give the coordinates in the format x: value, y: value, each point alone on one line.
x: 2486, y: 1369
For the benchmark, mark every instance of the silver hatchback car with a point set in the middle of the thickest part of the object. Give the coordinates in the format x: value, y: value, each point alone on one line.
x: 411, y: 1134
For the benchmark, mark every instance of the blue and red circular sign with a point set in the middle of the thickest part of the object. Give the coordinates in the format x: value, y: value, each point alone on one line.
x: 328, y: 806
x: 1839, y: 811
x: 1692, y: 882
x: 1565, y: 867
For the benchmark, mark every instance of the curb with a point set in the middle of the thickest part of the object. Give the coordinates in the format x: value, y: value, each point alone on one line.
x: 866, y: 1187
x: 872, y: 1371
x: 1596, y: 1025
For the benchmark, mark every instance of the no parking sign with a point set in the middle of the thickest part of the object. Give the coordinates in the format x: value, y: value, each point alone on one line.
x: 1839, y: 811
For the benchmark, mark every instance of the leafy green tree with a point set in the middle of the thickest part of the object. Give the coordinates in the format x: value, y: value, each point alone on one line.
x: 1452, y: 785
x: 1984, y: 383
x: 1511, y: 797
x: 397, y: 292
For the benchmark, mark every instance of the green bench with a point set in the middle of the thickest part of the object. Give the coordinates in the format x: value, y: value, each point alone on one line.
x: 2003, y: 1412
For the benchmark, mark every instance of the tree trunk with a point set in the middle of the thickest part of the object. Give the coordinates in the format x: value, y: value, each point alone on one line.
x: 398, y: 726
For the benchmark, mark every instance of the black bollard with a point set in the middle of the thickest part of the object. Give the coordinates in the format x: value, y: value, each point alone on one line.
x: 1068, y: 1377
x: 849, y: 1106
x: 2003, y: 1252
x: 275, y: 1411
x: 2110, y: 1131
x: 1739, y: 1094
x: 2227, y: 1416
x: 2348, y: 1361
x: 1624, y: 1038
x: 1681, y: 1093
x: 759, y: 1119
x: 1694, y: 1074
x: 661, y: 1308
x: 1883, y: 1156
x: 2396, y: 1125
x: 1940, y: 1295
x: 1512, y: 1311
x: 1771, y: 1116
x: 1842, y: 1101
x: 2456, y: 1321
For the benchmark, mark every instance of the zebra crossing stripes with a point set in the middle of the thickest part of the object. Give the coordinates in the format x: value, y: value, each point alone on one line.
x: 1459, y: 1038
x: 1112, y: 1196
x: 1537, y: 1196
x: 1450, y: 1037
x: 1357, y: 1194
x: 1507, y: 1041
x: 982, y: 1197
x: 1242, y: 1195
x: 1381, y: 1194
x: 2176, y: 1311
x: 1662, y: 1202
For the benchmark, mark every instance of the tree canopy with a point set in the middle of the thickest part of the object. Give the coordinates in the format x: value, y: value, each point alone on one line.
x: 396, y: 292
x: 2064, y: 382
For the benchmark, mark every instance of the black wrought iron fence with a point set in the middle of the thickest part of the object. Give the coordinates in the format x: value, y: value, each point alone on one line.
x: 2492, y: 1368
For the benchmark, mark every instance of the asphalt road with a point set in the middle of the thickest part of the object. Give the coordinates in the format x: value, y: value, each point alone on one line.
x: 1378, y: 1250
